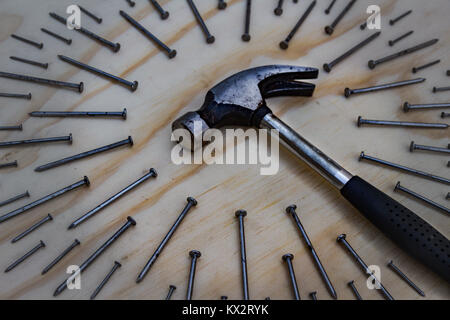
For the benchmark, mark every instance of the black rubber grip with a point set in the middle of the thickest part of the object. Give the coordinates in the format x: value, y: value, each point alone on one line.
x: 404, y: 227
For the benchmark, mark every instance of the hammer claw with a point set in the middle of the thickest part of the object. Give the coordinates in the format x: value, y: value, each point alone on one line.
x: 288, y: 88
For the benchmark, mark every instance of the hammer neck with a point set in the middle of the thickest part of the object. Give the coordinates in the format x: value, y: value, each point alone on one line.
x: 307, y: 152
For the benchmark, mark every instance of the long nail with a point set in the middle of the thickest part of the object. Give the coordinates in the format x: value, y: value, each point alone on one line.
x: 414, y: 146
x: 406, y: 124
x: 285, y: 43
x: 330, y: 29
x: 90, y: 14
x: 404, y: 277
x: 83, y: 155
x: 248, y: 12
x: 288, y: 259
x: 8, y: 165
x: 191, y: 202
x: 57, y: 36
x: 195, y: 255
x: 445, y: 115
x: 131, y: 3
x: 349, y: 92
x: 394, y: 21
x: 11, y: 128
x: 130, y: 222
x: 440, y: 89
x: 351, y: 284
x: 116, y: 266
x: 25, y: 256
x: 209, y: 38
x: 427, y: 175
x: 221, y: 5
x: 162, y: 13
x: 240, y: 214
x: 33, y: 43
x: 15, y: 198
x: 417, y: 69
x: 88, y: 114
x: 31, y: 62
x: 328, y: 9
x: 9, y: 215
x: 36, y: 141
x: 61, y: 256
x: 131, y: 85
x: 77, y: 86
x: 436, y: 205
x: 407, y: 107
x: 91, y: 213
x: 32, y: 228
x: 403, y: 36
x: 16, y: 95
x: 172, y: 288
x: 279, y: 8
x: 313, y: 295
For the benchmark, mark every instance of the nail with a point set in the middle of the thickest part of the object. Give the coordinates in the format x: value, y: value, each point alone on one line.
x: 394, y: 41
x: 25, y: 256
x: 223, y: 298
x: 424, y: 125
x: 373, y: 63
x: 130, y: 222
x: 194, y: 257
x: 363, y: 25
x: 163, y: 13
x: 83, y: 182
x: 170, y: 52
x: 414, y: 146
x: 448, y: 72
x: 436, y: 205
x: 351, y: 284
x: 416, y: 69
x: 313, y: 295
x: 279, y: 9
x: 248, y: 11
x: 33, y: 43
x: 427, y: 175
x: 348, y: 92
x: 77, y: 86
x: 90, y: 14
x: 113, y: 46
x: 330, y: 29
x: 32, y: 228
x: 328, y: 10
x: 288, y: 259
x: 341, y: 239
x: 15, y: 198
x: 393, y: 21
x: 407, y: 107
x: 328, y: 66
x: 91, y: 213
x: 61, y: 256
x: 440, y: 89
x: 404, y: 277
x: 445, y: 115
x: 15, y: 95
x: 57, y: 36
x: 8, y: 165
x: 191, y: 202
x: 83, y: 155
x: 116, y: 266
x: 172, y: 288
x: 222, y: 5
x: 36, y: 141
x: 88, y: 114
x: 209, y: 38
x: 285, y: 43
x: 131, y: 3
x: 11, y: 128
x: 240, y: 214
x: 291, y: 210
x: 131, y: 85
x: 447, y: 197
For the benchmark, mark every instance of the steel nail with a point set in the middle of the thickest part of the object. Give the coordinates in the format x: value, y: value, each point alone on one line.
x: 209, y: 38
x: 116, y: 266
x: 36, y: 141
x: 363, y: 25
x: 15, y: 198
x: 328, y: 66
x: 91, y: 213
x: 351, y: 284
x: 32, y: 228
x: 224, y: 298
x: 448, y: 72
x: 348, y: 92
x: 130, y: 222
x: 445, y: 115
x: 25, y: 256
x: 170, y: 52
x: 12, y: 128
x: 131, y: 85
x: 33, y: 43
x: 9, y: 164
x: 248, y: 12
x: 393, y: 21
x: 328, y: 9
x: 440, y: 89
x: 423, y: 125
x: 416, y: 69
x: 436, y: 205
x: 407, y: 107
x: 394, y: 41
x: 16, y: 95
x: 291, y: 210
x: 313, y: 295
x: 447, y: 197
x: 285, y: 43
x: 404, y: 277
x: 373, y: 63
x: 240, y: 214
x: 77, y: 86
x: 131, y: 3
x: 279, y: 8
x: 414, y: 146
x: 61, y: 256
x: 191, y: 202
x: 195, y: 255
x: 85, y: 154
x: 90, y: 14
x: 288, y: 259
x: 115, y: 47
x: 427, y: 175
x: 222, y: 5
x: 9, y: 215
x: 163, y: 13
x: 341, y: 239
x: 57, y: 36
x: 172, y: 288
x: 88, y: 114
x: 330, y: 29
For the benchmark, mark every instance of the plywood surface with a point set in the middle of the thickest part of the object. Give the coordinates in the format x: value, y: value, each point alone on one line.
x: 169, y: 88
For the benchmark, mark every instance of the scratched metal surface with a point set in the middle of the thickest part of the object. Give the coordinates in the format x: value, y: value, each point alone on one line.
x: 167, y: 89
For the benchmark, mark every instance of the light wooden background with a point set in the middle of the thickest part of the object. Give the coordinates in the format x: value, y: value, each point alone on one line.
x: 169, y: 88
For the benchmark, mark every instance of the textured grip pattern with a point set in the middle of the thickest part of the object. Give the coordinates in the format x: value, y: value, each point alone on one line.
x: 404, y: 227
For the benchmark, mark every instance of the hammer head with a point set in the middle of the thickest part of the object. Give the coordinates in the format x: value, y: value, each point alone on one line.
x: 240, y: 99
